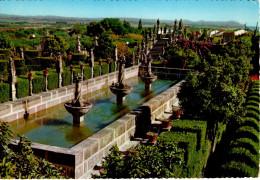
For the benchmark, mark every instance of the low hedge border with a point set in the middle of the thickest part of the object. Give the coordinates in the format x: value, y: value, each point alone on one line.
x: 4, y: 92
x: 22, y: 89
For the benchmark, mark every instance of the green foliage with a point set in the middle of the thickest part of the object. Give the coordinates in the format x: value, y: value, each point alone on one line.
x: 22, y: 89
x: 96, y: 71
x: 3, y: 65
x: 66, y: 78
x: 106, y: 48
x: 6, y: 52
x: 38, y: 84
x: 31, y: 54
x: 237, y: 169
x: 19, y: 162
x: 87, y: 73
x: 5, y: 42
x: 247, y: 144
x: 114, y: 25
x: 247, y: 132
x: 19, y: 62
x: 157, y: 161
x: 4, y: 92
x: 94, y: 29
x: 47, y: 62
x: 198, y: 127
x: 248, y: 121
x: 54, y: 45
x: 254, y: 98
x: 104, y: 68
x: 52, y: 81
x: 78, y: 58
x: 253, y: 114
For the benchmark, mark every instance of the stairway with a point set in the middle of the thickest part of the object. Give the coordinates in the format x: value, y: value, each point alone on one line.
x: 157, y: 49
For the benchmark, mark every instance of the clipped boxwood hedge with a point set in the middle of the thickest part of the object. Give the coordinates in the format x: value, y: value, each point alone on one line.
x: 47, y: 62
x: 87, y: 73
x: 3, y: 65
x: 19, y: 62
x: 253, y: 114
x: 4, y: 92
x: 7, y: 52
x: 252, y: 122
x: 31, y: 54
x: 96, y: 71
x: 38, y: 84
x: 237, y: 169
x: 247, y: 132
x: 198, y: 127
x: 246, y: 143
x: 22, y: 89
x: 66, y: 78
x: 253, y: 103
x: 53, y: 81
x: 78, y: 57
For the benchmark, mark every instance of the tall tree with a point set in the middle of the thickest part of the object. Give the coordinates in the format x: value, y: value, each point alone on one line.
x: 5, y: 42
x: 140, y: 27
x: 105, y: 46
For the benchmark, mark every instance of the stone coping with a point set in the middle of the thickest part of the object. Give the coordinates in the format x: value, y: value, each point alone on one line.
x: 13, y: 110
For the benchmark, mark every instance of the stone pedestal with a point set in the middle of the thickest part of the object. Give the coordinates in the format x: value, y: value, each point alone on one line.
x: 60, y: 80
x: 30, y: 87
x: 92, y: 72
x: 148, y: 87
x: 120, y: 99
x: 78, y: 119
x: 100, y: 71
x: 13, y: 91
x: 72, y: 76
x: 46, y: 82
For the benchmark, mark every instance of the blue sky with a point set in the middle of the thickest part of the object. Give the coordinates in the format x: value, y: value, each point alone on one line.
x: 243, y: 11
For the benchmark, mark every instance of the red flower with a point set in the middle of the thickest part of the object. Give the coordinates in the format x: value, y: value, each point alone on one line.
x: 100, y: 62
x: 108, y: 60
x: 45, y: 72
x: 254, y: 77
x: 30, y: 75
x: 164, y: 62
x: 82, y: 66
x: 72, y: 68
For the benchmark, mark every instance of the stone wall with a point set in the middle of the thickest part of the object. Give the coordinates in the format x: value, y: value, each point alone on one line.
x: 13, y: 110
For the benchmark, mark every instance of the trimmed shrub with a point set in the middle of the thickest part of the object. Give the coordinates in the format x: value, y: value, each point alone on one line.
x: 247, y: 132
x: 237, y: 169
x: 4, y: 92
x: 22, y: 89
x: 96, y: 71
x: 19, y: 62
x: 3, y: 65
x: 34, y: 67
x: 33, y: 61
x: 247, y: 144
x: 254, y: 98
x: 66, y: 78
x: 38, y: 84
x: 3, y: 56
x: 78, y: 58
x: 253, y: 114
x: 198, y: 127
x: 31, y: 54
x: 53, y: 81
x: 7, y: 52
x: 253, y: 103
x: 104, y: 68
x: 87, y: 73
x: 253, y: 108
x: 242, y: 154
x: 47, y: 62
x: 248, y: 121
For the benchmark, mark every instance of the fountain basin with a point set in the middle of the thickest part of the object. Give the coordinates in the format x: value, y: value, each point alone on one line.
x: 121, y: 91
x: 78, y: 111
x: 148, y: 79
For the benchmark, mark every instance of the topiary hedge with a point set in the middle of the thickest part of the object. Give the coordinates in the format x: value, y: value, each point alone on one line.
x: 38, y: 84
x: 78, y: 58
x: 53, y: 81
x: 247, y: 144
x: 66, y: 78
x: 198, y: 127
x: 32, y: 54
x: 22, y: 89
x: 6, y: 52
x: 3, y: 65
x: 87, y: 73
x: 252, y: 122
x: 96, y: 71
x: 47, y: 62
x: 247, y: 132
x: 4, y: 92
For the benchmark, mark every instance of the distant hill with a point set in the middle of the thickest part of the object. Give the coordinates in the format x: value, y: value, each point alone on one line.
x: 14, y: 19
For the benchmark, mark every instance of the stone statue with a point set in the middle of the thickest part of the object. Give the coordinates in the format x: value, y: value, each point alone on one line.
x: 78, y: 45
x: 133, y: 59
x: 149, y: 66
x: 77, y: 101
x: 22, y: 53
x: 92, y: 58
x: 121, y: 74
x: 158, y: 23
x: 59, y: 65
x: 12, y: 70
x: 96, y: 41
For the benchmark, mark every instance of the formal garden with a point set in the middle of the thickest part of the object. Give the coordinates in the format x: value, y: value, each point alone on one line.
x: 217, y: 133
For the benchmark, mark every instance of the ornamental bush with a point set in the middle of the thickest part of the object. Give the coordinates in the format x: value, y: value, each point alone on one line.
x: 31, y: 54
x: 253, y: 114
x: 22, y: 88
x: 78, y: 57
x: 52, y: 81
x: 3, y: 65
x: 247, y: 132
x: 20, y: 162
x: 246, y: 143
x: 4, y: 92
x: 248, y: 121
x: 47, y: 62
x: 7, y: 52
x: 66, y: 78
x: 38, y: 84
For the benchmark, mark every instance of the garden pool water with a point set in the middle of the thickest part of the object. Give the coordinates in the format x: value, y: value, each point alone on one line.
x: 54, y: 125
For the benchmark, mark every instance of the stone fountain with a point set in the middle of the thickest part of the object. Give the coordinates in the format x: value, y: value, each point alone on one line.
x: 120, y: 89
x: 148, y: 78
x: 77, y: 107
